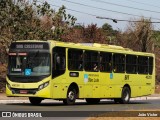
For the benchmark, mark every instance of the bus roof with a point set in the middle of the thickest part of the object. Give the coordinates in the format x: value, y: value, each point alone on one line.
x: 92, y: 46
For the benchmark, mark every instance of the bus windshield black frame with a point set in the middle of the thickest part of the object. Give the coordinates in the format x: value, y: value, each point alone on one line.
x: 29, y: 59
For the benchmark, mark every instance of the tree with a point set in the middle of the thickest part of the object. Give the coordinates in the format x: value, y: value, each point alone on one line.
x: 62, y: 22
x: 110, y: 33
x: 139, y: 35
x: 90, y: 33
x: 107, y: 28
x: 21, y: 20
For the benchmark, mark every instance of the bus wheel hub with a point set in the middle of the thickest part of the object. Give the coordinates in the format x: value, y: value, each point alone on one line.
x: 71, y: 95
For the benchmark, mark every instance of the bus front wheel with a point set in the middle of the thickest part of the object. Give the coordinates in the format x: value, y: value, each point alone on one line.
x: 71, y: 97
x: 125, y: 97
x: 35, y: 100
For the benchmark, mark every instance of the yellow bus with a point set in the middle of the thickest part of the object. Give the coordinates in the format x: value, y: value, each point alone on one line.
x: 69, y: 71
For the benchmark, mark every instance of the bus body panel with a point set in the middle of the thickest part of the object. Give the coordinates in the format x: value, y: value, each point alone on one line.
x: 44, y: 93
x: 90, y: 84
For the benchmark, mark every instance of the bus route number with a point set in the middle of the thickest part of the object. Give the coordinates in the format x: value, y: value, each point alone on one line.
x: 126, y: 77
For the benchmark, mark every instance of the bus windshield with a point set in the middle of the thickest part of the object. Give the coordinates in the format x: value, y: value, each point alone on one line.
x: 29, y: 64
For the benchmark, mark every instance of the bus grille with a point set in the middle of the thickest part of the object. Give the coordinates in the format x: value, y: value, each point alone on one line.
x: 23, y: 91
x: 26, y: 79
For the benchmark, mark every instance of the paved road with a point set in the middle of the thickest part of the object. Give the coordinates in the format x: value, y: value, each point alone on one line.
x: 81, y: 107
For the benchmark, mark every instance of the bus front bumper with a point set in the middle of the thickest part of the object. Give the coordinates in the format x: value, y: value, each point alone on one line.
x: 42, y: 92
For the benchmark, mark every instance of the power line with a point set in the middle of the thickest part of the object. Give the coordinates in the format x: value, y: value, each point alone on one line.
x: 72, y: 10
x: 107, y: 9
x: 93, y: 15
x: 76, y: 11
x: 101, y: 1
x: 143, y: 3
x: 115, y: 20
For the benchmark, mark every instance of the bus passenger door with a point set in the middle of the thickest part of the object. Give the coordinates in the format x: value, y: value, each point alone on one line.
x: 59, y: 61
x: 58, y: 72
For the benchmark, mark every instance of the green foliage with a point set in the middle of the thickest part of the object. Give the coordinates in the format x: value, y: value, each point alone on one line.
x: 110, y: 33
x: 21, y: 20
x: 107, y: 27
x: 156, y: 36
x: 62, y: 21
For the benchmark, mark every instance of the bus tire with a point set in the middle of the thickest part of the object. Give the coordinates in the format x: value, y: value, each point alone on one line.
x: 35, y: 100
x: 71, y: 97
x: 125, y: 97
x: 92, y: 100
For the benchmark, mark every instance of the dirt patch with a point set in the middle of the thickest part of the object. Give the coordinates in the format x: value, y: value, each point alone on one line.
x: 2, y: 86
x: 124, y: 118
x: 133, y: 114
x: 157, y: 88
x: 4, y: 97
x: 3, y: 71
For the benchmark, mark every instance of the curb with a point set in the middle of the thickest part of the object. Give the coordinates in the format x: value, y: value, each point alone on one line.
x: 55, y: 101
x: 146, y: 98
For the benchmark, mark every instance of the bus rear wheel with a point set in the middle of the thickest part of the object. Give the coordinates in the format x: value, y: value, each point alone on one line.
x: 92, y: 100
x: 35, y: 100
x: 125, y: 97
x: 71, y: 97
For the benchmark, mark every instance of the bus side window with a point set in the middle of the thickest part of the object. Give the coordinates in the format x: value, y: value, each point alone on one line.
x: 75, y: 59
x: 143, y: 65
x: 91, y: 61
x: 105, y: 62
x: 150, y: 65
x: 56, y: 63
x: 131, y: 64
x: 59, y: 61
x: 118, y: 63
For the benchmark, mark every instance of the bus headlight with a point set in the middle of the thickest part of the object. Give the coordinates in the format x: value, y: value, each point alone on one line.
x: 8, y: 85
x: 43, y: 85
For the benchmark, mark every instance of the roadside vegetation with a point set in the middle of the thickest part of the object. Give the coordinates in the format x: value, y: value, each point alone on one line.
x: 25, y: 20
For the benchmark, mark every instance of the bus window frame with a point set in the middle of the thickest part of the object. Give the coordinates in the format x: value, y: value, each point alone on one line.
x: 141, y: 65
x: 80, y: 62
x: 109, y: 62
x: 131, y: 64
x: 57, y: 72
x: 150, y: 72
x: 117, y: 65
x: 92, y: 63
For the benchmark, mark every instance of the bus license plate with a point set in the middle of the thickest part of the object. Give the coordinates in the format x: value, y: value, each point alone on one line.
x: 23, y: 91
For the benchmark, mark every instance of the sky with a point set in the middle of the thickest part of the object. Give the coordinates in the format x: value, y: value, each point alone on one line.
x: 87, y: 10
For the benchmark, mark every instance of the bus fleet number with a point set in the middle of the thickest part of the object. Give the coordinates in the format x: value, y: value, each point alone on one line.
x: 126, y: 77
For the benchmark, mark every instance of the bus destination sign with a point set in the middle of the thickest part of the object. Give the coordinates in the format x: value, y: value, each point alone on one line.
x: 29, y: 46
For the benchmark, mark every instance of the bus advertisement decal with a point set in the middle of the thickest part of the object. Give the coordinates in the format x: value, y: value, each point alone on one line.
x: 27, y: 72
x: 111, y: 75
x: 85, y: 78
